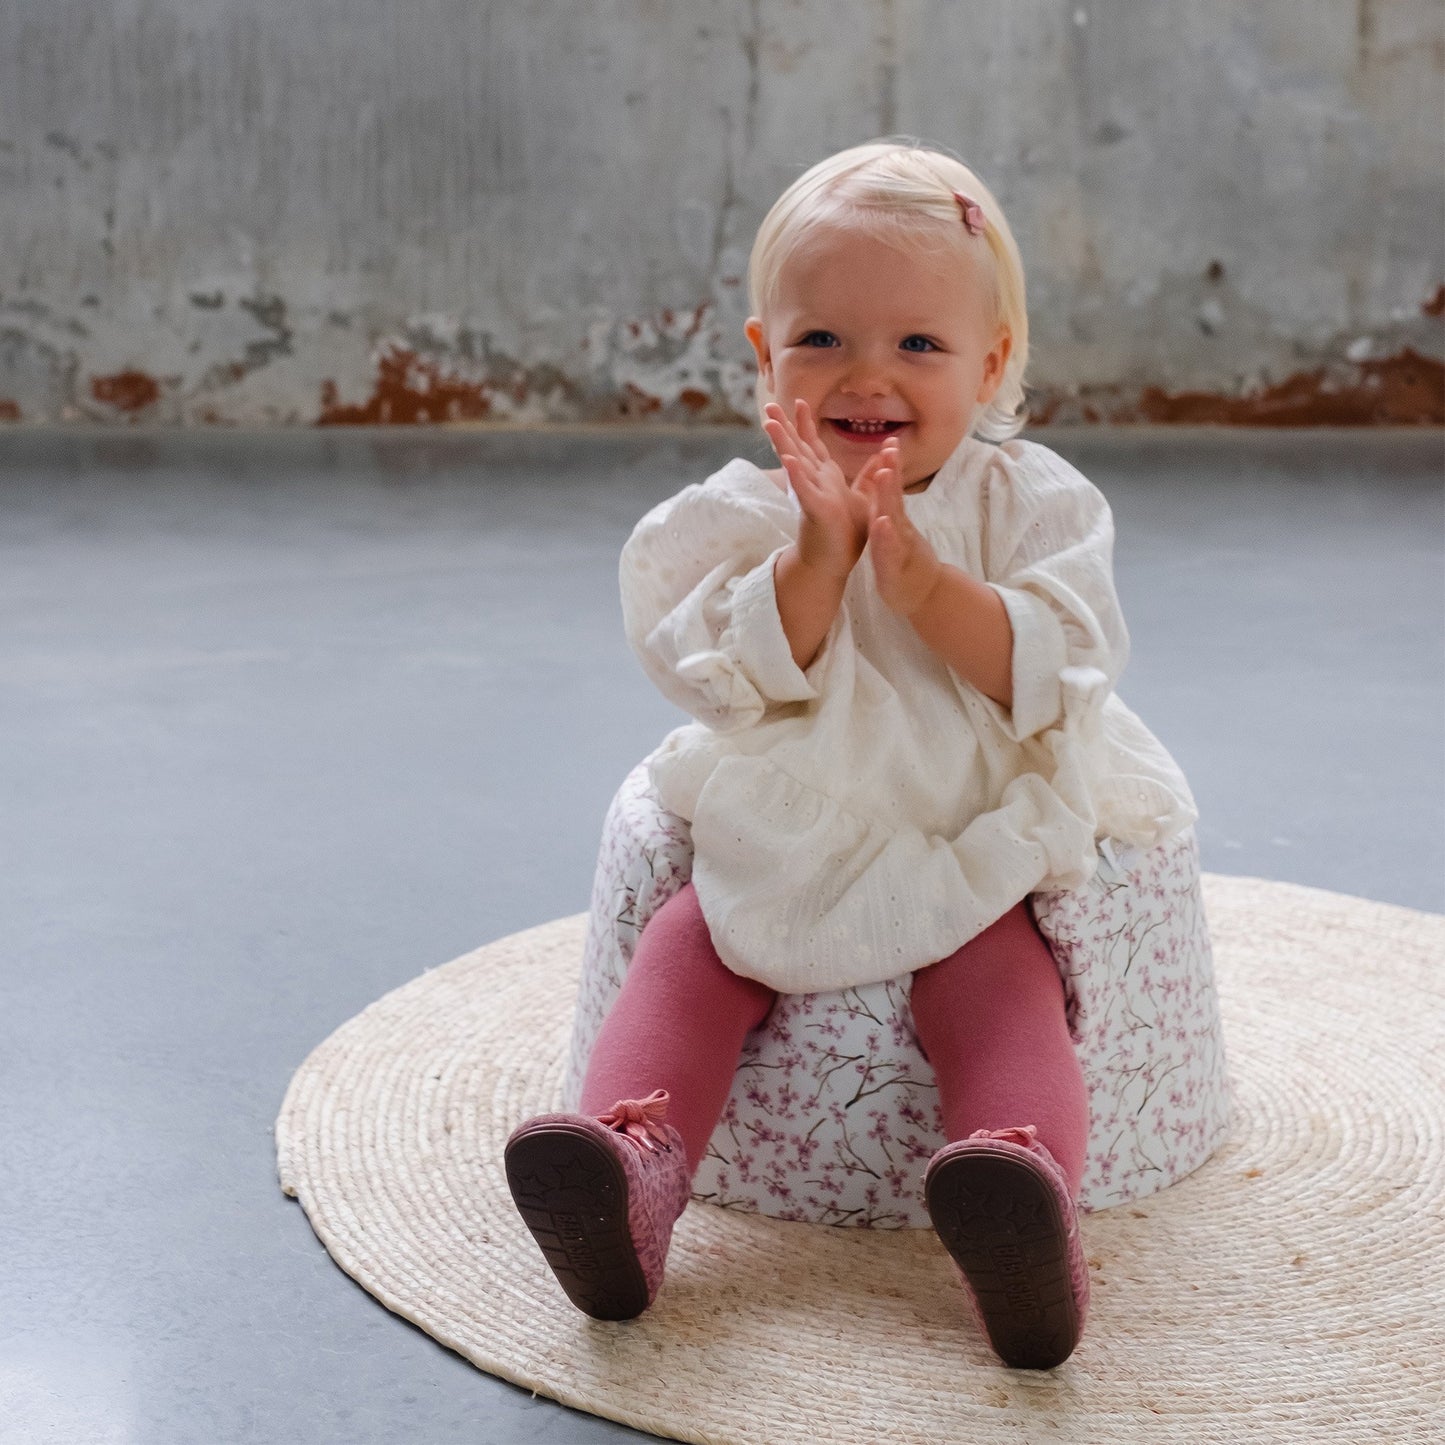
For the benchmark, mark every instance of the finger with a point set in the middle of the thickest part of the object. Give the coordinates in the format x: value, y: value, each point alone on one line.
x: 870, y: 495
x: 808, y: 430
x: 877, y: 468
x: 891, y: 453
x: 777, y: 417
x: 869, y: 469
x: 877, y: 488
x: 801, y: 470
x: 893, y: 484
x: 866, y: 482
x: 801, y: 474
x: 870, y: 472
x: 778, y: 428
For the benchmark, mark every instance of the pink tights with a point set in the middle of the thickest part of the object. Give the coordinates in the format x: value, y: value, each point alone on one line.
x: 989, y: 1018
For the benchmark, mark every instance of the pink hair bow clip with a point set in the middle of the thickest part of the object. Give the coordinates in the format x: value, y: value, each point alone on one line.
x: 972, y: 213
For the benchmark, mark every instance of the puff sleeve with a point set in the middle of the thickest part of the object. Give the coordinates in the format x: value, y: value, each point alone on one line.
x: 1048, y: 553
x: 699, y: 603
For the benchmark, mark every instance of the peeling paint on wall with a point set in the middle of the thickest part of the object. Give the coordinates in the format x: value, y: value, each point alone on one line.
x: 1403, y: 390
x: 127, y: 391
x: 438, y: 375
x: 667, y: 367
x: 408, y: 389
x: 249, y: 216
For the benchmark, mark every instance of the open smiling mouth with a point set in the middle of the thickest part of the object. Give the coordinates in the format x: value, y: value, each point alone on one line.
x: 864, y: 431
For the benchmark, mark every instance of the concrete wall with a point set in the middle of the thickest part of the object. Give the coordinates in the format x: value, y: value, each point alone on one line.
x: 291, y: 211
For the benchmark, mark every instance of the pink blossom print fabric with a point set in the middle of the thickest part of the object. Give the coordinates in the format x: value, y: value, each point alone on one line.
x: 833, y: 1114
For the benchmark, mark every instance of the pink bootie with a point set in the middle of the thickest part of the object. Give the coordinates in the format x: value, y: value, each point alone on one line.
x: 1002, y: 1208
x: 600, y: 1196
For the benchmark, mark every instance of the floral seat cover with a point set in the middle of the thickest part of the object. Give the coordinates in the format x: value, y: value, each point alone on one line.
x: 834, y: 1110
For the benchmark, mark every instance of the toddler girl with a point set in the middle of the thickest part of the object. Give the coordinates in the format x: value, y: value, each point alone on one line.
x: 889, y: 757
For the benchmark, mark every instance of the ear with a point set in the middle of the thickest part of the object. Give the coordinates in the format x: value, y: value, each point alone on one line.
x: 993, y: 367
x: 753, y: 328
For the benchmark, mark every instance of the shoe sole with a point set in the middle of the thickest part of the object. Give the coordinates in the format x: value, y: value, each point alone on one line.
x: 1003, y: 1227
x: 572, y: 1194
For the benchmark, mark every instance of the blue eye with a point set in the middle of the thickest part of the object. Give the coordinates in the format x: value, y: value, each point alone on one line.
x: 916, y: 337
x: 808, y: 339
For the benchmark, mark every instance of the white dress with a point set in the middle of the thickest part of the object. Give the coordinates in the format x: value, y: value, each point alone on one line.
x: 868, y: 817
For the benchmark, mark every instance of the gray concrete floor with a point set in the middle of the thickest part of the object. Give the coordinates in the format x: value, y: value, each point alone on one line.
x: 290, y: 718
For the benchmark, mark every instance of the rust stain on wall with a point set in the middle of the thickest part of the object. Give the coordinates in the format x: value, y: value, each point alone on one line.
x: 1406, y: 389
x: 408, y: 390
x: 129, y: 391
x: 9, y: 410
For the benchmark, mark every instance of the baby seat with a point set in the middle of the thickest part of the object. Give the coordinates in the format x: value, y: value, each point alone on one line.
x: 834, y: 1114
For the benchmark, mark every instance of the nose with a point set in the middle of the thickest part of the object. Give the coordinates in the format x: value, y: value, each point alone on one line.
x: 868, y: 373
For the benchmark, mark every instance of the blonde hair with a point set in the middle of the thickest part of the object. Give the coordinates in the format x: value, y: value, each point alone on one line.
x: 902, y: 189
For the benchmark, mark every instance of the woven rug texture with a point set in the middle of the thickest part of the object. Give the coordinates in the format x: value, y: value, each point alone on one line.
x: 1291, y: 1289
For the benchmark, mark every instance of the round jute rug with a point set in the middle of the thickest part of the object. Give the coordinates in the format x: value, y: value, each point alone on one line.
x: 1291, y: 1289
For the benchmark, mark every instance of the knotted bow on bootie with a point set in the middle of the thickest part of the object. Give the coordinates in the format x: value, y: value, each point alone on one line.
x: 640, y: 1120
x: 1022, y: 1134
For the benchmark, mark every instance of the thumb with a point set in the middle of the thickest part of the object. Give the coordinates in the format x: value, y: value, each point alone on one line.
x: 867, y: 477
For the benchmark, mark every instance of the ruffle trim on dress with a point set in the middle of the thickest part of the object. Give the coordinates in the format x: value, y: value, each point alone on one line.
x: 803, y: 892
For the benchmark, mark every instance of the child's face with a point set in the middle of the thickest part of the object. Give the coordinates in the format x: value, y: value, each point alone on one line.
x: 861, y: 331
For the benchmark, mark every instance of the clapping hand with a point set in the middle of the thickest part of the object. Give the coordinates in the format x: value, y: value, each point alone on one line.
x: 833, y: 530
x: 905, y: 566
